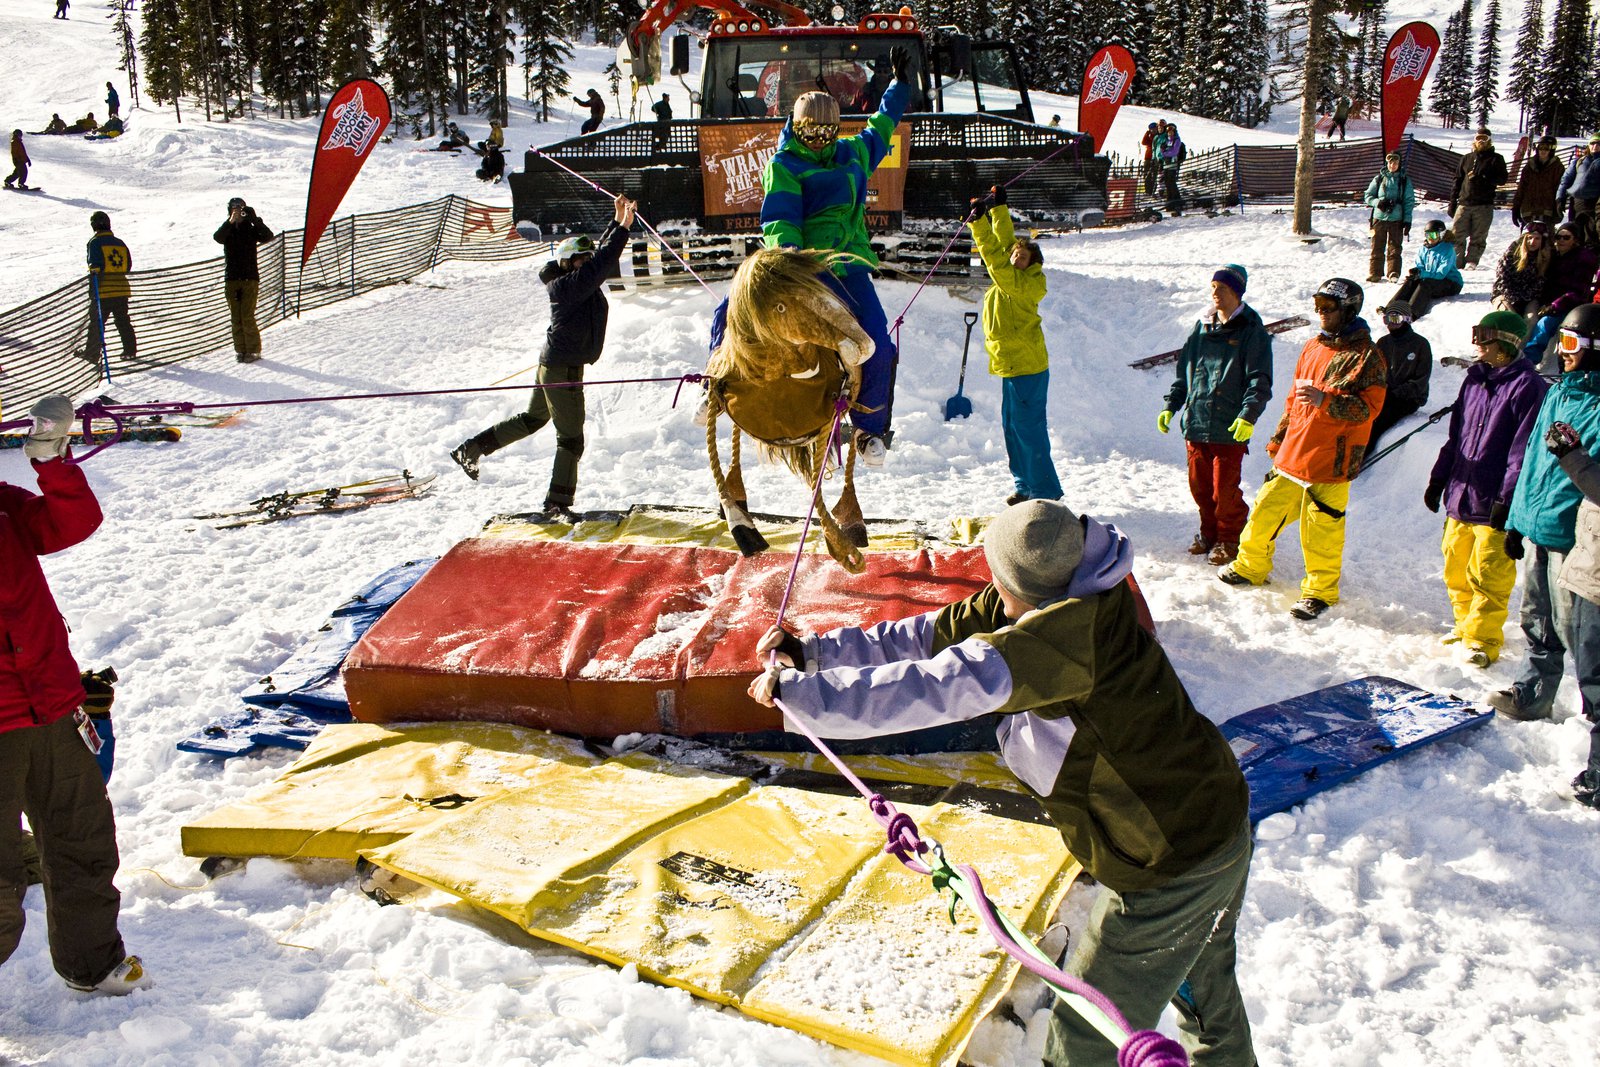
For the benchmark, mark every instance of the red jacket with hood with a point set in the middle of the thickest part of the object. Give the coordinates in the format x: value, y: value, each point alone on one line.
x: 38, y: 676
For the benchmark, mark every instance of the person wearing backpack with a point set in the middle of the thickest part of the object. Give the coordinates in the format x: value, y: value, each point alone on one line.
x: 1391, y: 196
x: 1173, y: 153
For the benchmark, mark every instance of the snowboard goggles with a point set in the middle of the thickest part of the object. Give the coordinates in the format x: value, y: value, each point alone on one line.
x: 1486, y: 335
x: 816, y: 131
x: 1395, y: 318
x: 1570, y: 342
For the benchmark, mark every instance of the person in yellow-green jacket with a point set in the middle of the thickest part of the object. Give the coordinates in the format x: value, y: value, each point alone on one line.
x: 1014, y: 338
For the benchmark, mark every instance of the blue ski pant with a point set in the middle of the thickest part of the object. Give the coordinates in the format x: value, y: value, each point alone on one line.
x: 1547, y: 624
x: 1586, y: 651
x: 1022, y: 416
x: 877, y: 375
x: 1544, y: 331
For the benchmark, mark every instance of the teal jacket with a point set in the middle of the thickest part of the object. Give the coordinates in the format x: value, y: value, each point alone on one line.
x: 1544, y: 508
x: 1224, y: 373
x: 1395, y: 187
x: 1013, y: 333
x: 819, y: 200
x: 1439, y: 260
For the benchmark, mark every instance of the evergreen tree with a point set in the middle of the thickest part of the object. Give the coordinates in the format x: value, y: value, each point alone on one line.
x: 1564, y: 90
x: 1523, y: 76
x: 1131, y: 26
x: 127, y: 55
x: 491, y: 54
x: 1062, y: 56
x: 545, y: 51
x: 159, y: 41
x: 347, y: 42
x: 416, y: 61
x: 1486, y: 79
x: 1452, y: 84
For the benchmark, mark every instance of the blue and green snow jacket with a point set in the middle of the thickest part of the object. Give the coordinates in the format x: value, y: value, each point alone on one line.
x: 819, y: 200
x: 1439, y: 260
x: 1545, y: 507
x: 1395, y: 187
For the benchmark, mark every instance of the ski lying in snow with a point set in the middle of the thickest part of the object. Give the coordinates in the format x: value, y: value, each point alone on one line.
x: 1293, y: 322
x: 352, y: 497
x: 103, y: 433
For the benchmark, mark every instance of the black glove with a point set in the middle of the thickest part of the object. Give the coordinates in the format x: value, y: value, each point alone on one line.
x: 98, y: 685
x: 1451, y: 209
x: 1406, y: 229
x: 1513, y: 545
x: 900, y: 60
x: 1384, y: 203
x: 1413, y: 273
x: 1516, y: 218
x: 997, y: 193
x: 1561, y: 438
x: 979, y: 205
x: 1432, y: 495
x: 1498, y: 514
x: 794, y: 648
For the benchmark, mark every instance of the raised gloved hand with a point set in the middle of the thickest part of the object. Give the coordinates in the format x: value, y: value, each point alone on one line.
x: 1432, y: 495
x: 1513, y: 545
x: 1384, y: 203
x: 978, y: 206
x: 52, y: 428
x: 900, y: 60
x: 1241, y: 430
x: 1561, y: 438
x: 1164, y: 421
x: 997, y: 193
x: 790, y: 649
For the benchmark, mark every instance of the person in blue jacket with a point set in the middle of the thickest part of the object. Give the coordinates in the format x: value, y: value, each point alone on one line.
x: 1543, y: 525
x: 1579, y: 191
x: 1391, y: 196
x: 1435, y: 276
x: 815, y: 190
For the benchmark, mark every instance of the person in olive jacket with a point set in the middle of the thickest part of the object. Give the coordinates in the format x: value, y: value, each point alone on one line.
x: 1538, y: 184
x: 239, y: 235
x: 1482, y: 171
x: 1391, y: 196
x: 1013, y: 334
x: 575, y: 281
x: 1223, y: 383
x: 1096, y: 723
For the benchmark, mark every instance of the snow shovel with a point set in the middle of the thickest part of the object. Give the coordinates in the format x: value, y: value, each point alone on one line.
x: 958, y: 406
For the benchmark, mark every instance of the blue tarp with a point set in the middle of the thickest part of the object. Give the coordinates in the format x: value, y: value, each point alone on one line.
x: 1299, y: 747
x: 290, y: 706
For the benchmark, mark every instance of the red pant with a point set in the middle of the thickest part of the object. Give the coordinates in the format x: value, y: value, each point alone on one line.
x: 1214, y: 483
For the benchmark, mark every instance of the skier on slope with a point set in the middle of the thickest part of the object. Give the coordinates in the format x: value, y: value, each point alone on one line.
x: 575, y: 281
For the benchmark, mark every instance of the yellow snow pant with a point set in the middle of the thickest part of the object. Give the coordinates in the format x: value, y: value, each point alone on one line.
x: 1320, y: 512
x: 1479, y: 577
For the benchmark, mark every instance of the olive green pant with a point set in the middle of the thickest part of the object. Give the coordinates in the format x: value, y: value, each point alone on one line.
x: 1174, y: 943
x: 242, y: 316
x: 564, y: 407
x: 49, y: 773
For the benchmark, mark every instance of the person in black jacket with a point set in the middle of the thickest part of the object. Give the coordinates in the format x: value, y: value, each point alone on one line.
x: 239, y: 236
x: 1410, y: 360
x: 1482, y: 171
x: 575, y: 280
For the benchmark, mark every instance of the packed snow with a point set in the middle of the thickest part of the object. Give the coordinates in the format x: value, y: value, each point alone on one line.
x: 1435, y: 911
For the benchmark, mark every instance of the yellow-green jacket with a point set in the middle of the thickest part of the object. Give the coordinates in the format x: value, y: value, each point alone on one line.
x: 1011, y: 327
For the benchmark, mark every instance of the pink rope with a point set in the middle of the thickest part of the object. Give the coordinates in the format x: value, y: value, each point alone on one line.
x: 638, y: 217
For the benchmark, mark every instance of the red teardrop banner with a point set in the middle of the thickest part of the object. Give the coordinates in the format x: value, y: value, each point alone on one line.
x: 1106, y: 80
x: 1406, y: 62
x: 357, y: 115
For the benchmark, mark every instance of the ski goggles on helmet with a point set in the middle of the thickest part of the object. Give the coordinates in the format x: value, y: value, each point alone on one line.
x: 1324, y: 303
x: 1486, y: 335
x: 1570, y: 342
x: 580, y: 245
x: 1395, y: 318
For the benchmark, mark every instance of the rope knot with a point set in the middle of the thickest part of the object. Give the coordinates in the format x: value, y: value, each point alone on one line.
x: 1147, y: 1048
x: 903, y: 837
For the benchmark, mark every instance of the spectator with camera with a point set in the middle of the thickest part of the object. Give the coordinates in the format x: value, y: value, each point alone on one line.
x: 239, y: 236
x: 1391, y: 196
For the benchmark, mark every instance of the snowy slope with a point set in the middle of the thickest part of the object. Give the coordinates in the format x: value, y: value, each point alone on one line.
x: 1435, y: 911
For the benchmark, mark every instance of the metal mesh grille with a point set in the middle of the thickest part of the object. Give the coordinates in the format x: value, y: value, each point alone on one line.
x: 179, y: 312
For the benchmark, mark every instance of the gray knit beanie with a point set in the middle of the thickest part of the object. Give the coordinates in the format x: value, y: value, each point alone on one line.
x: 1033, y: 548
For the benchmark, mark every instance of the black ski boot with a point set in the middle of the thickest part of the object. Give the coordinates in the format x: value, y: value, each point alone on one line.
x: 469, y: 452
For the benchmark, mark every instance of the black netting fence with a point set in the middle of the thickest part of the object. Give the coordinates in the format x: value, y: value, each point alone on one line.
x: 178, y: 313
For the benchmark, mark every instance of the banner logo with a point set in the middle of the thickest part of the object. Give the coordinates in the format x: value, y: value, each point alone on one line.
x: 1410, y: 61
x: 1106, y: 82
x: 353, y: 128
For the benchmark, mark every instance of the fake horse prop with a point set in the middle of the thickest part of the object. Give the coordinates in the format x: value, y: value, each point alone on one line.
x: 788, y: 366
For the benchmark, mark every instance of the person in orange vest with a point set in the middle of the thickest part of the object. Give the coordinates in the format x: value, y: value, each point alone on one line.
x: 1339, y: 387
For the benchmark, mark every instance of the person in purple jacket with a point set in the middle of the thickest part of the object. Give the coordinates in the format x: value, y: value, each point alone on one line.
x: 1474, y: 477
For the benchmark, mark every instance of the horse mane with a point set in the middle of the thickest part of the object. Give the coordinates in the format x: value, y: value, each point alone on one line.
x: 777, y: 307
